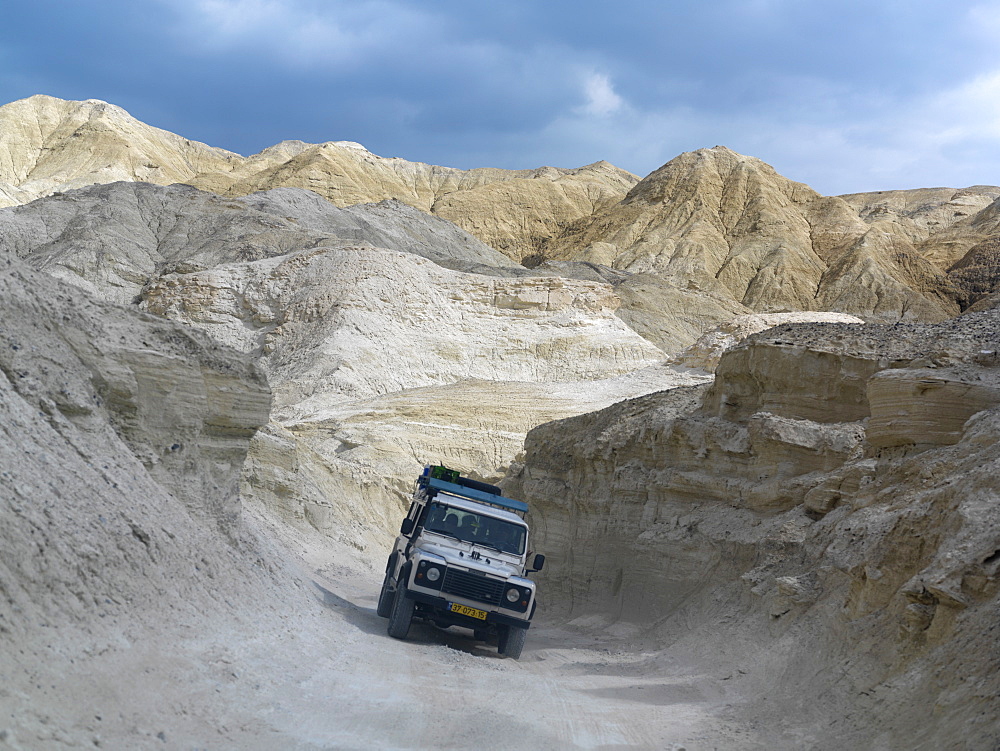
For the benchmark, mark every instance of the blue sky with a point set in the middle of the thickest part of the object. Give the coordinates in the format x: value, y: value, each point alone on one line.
x: 843, y: 95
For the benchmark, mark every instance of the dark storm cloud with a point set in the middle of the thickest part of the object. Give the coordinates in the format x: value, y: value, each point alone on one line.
x: 842, y: 95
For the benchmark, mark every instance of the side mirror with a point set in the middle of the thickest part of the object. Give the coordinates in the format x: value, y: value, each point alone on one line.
x: 406, y: 527
x: 538, y: 562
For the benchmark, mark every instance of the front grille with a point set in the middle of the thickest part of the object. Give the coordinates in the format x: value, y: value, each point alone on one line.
x: 472, y: 586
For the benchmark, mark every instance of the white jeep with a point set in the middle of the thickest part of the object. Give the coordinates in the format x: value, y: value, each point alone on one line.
x: 461, y: 559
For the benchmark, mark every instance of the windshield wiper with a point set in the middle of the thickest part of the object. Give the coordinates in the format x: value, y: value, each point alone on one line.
x: 445, y: 534
x: 489, y: 545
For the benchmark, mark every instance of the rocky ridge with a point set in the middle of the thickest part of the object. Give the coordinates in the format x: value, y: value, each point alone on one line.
x: 730, y: 224
x: 710, y: 221
x: 48, y: 145
x: 115, y: 239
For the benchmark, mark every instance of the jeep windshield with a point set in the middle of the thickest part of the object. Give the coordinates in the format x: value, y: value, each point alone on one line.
x: 475, y: 528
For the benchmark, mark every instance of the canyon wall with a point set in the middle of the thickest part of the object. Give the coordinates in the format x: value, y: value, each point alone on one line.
x: 125, y: 553
x: 823, y: 517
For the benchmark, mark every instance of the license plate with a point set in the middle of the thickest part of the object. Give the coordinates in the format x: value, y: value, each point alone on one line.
x: 471, y: 612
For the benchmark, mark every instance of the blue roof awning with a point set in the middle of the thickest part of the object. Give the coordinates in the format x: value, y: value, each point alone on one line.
x: 476, y: 495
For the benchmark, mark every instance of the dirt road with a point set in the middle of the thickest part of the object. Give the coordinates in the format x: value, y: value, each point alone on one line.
x: 338, y: 681
x: 319, y: 671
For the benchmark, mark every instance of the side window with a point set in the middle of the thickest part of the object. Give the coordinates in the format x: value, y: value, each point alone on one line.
x: 419, y: 511
x: 412, y: 515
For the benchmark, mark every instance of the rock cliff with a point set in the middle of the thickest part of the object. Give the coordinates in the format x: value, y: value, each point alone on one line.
x: 708, y: 350
x: 823, y: 515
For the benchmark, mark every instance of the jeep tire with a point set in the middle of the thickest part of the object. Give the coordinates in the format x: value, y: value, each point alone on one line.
x: 401, y: 614
x: 384, y: 608
x: 511, y: 641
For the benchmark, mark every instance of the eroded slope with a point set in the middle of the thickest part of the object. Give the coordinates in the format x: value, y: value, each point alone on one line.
x: 121, y: 533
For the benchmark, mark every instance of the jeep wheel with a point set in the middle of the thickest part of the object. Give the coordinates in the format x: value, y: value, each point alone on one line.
x: 385, y: 598
x: 401, y: 615
x: 512, y: 641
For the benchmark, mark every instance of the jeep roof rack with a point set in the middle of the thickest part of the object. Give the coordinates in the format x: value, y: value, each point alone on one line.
x: 433, y: 478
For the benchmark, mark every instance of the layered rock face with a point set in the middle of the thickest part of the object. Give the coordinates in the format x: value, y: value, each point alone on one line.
x: 361, y: 322
x: 122, y: 438
x: 381, y: 362
x: 708, y: 350
x: 730, y: 224
x: 50, y: 145
x: 825, y: 512
x: 185, y: 407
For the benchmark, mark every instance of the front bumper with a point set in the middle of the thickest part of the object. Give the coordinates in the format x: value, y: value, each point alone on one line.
x: 440, y: 606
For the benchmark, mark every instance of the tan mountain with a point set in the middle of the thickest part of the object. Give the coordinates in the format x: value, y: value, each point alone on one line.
x: 710, y: 221
x: 49, y: 145
x: 731, y: 224
x: 518, y: 216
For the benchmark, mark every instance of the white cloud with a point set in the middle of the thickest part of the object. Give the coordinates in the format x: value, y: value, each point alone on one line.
x: 948, y: 137
x: 601, y: 97
x: 835, y: 138
x: 236, y: 18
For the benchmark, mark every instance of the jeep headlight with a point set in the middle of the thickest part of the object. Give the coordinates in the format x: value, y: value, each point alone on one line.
x: 429, y: 575
x: 518, y: 598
